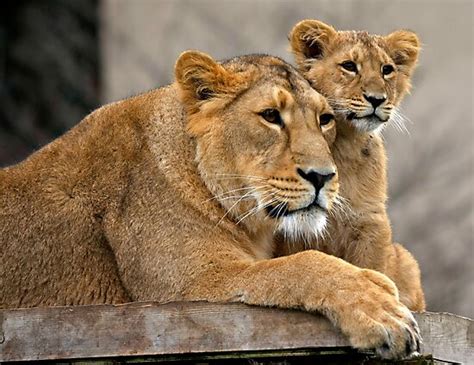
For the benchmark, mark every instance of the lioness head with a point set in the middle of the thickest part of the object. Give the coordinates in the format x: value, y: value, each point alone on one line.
x: 261, y: 134
x: 364, y: 76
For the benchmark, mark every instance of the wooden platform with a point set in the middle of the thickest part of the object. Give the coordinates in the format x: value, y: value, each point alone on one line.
x: 205, y: 333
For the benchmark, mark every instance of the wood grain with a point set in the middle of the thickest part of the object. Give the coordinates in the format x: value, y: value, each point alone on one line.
x: 447, y: 336
x: 146, y: 329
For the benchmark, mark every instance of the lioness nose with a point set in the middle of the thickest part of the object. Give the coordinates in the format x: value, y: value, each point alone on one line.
x: 317, y: 179
x: 375, y: 101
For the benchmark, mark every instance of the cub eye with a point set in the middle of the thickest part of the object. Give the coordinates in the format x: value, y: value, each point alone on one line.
x: 325, y: 119
x: 272, y: 116
x: 387, y: 69
x: 349, y: 66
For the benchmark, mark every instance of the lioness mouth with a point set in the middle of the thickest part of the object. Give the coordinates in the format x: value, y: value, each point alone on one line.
x: 279, y: 210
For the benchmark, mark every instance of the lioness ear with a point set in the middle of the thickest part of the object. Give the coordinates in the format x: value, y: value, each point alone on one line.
x: 403, y: 46
x: 200, y: 77
x: 310, y: 39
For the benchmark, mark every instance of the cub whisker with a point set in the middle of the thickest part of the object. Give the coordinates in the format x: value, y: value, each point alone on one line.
x: 399, y: 121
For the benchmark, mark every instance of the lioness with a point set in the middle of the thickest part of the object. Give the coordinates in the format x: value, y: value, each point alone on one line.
x: 176, y: 194
x: 364, y: 77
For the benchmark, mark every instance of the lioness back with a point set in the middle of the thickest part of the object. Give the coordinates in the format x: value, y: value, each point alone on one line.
x: 54, y: 250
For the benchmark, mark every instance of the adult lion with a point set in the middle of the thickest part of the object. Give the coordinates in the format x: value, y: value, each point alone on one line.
x: 175, y: 195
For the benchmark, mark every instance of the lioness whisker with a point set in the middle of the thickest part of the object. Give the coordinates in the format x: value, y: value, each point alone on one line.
x: 246, y: 195
x: 234, y: 197
x: 233, y: 205
x: 257, y: 208
x: 240, y: 176
x: 279, y: 207
x: 233, y: 191
x: 341, y: 205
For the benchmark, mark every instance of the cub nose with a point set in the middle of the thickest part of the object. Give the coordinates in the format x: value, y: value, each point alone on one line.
x: 317, y: 179
x: 375, y: 101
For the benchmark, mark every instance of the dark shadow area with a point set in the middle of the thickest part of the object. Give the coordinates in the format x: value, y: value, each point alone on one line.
x: 48, y: 71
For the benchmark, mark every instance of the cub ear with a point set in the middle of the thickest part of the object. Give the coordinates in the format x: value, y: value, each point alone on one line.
x: 310, y: 39
x: 201, y: 78
x: 403, y: 46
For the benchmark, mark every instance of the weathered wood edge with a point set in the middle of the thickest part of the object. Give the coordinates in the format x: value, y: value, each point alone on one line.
x: 147, y: 329
x: 280, y: 357
x: 447, y: 336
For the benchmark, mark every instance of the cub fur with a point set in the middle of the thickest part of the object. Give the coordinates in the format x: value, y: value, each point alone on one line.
x: 176, y: 194
x: 364, y: 77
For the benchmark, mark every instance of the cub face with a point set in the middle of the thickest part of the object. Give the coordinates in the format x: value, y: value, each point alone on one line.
x: 364, y: 76
x: 262, y: 139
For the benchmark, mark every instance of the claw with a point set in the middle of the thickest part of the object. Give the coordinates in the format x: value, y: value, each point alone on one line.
x: 410, y: 343
x: 408, y: 350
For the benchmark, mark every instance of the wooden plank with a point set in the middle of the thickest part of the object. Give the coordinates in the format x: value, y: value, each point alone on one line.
x: 147, y: 329
x: 447, y: 336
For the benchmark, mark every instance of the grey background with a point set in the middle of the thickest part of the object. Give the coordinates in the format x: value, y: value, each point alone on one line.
x: 430, y: 169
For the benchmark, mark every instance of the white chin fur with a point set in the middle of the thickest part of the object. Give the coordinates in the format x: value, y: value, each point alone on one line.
x: 306, y: 225
x: 364, y: 125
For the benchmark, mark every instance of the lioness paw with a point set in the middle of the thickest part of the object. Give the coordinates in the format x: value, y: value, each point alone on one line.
x: 373, y: 318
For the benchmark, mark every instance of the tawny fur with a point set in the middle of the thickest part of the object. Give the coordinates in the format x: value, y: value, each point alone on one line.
x: 148, y: 199
x: 361, y: 234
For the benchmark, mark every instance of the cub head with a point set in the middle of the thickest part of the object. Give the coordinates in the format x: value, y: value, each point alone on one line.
x: 364, y: 76
x: 262, y: 139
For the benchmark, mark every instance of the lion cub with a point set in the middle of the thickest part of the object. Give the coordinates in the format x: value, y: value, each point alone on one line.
x: 364, y: 77
x: 175, y: 194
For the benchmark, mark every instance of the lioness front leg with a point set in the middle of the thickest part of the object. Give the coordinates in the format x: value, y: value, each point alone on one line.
x: 363, y: 303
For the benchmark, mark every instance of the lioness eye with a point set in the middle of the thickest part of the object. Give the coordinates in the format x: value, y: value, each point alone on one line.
x: 387, y: 69
x: 325, y: 119
x: 349, y: 66
x: 272, y: 116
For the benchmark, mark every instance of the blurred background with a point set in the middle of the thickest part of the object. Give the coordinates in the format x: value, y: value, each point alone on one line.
x: 59, y: 60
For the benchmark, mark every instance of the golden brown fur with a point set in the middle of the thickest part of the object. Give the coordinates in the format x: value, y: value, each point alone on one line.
x: 362, y: 236
x: 149, y: 199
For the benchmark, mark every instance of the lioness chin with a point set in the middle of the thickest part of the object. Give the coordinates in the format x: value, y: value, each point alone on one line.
x: 364, y: 77
x: 176, y: 194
